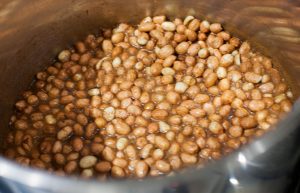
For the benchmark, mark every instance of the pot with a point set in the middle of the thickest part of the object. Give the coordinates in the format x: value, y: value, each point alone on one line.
x: 32, y: 33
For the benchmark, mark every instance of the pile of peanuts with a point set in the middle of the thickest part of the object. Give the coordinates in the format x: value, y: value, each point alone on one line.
x: 146, y: 100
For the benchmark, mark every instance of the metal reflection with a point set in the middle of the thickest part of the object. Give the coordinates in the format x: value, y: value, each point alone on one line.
x: 234, y: 181
x: 242, y: 159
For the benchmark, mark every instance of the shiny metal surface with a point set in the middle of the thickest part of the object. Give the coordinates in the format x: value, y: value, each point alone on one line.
x: 32, y: 33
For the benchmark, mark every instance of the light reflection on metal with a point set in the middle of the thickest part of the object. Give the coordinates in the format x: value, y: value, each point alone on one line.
x: 260, y: 148
x: 3, y: 169
x: 242, y: 159
x: 234, y: 181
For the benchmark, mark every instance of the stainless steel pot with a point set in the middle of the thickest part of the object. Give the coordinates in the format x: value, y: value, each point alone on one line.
x: 32, y: 32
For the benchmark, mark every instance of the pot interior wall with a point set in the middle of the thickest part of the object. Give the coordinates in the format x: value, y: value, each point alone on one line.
x: 31, y: 34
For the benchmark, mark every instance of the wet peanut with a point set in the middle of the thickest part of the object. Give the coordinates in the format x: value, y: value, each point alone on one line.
x: 144, y: 100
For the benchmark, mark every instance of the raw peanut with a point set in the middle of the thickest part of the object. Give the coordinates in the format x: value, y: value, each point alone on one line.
x: 203, y: 53
x: 157, y: 154
x: 212, y: 62
x: 103, y: 167
x: 147, y: 26
x: 194, y: 24
x: 77, y: 144
x: 188, y: 158
x: 193, y: 49
x: 94, y: 92
x: 87, y: 173
x: 131, y: 152
x: 70, y: 167
x: 198, y: 69
x: 21, y: 124
x: 121, y: 127
x: 168, y: 26
x: 100, y: 122
x: 87, y: 161
x: 159, y: 19
x: 227, y: 97
x: 221, y: 72
x: 81, y: 103
x: 120, y: 162
x: 168, y: 71
x: 159, y: 114
x: 174, y: 149
x: 141, y: 169
x: 162, y: 142
x: 215, y: 27
x: 122, y: 143
x: 175, y: 162
x: 235, y: 131
x: 188, y: 19
x: 109, y: 113
x: 202, y: 98
x: 108, y: 154
x: 224, y: 84
x: 145, y: 152
x: 248, y: 122
x: 64, y: 55
x: 117, y: 172
x: 64, y: 133
x: 165, y: 51
x: 266, y: 88
x: 226, y: 60
x: 252, y: 77
x: 190, y: 147
x: 181, y: 87
x: 117, y: 37
x: 215, y: 127
x: 163, y: 127
x: 173, y: 97
x: 256, y: 105
x: 107, y: 46
x: 213, y: 143
x: 182, y: 47
x: 210, y: 80
x: 163, y: 166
